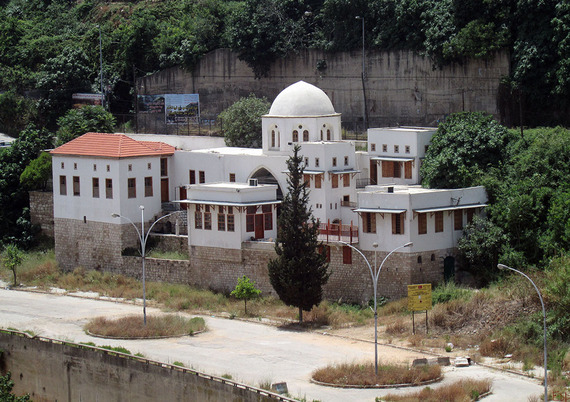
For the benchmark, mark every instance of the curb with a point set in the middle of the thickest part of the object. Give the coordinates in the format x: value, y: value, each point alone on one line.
x: 378, y: 386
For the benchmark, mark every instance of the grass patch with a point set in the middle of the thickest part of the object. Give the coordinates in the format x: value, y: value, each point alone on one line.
x: 363, y: 374
x: 459, y: 391
x: 168, y: 255
x: 156, y: 326
x: 447, y: 291
x: 119, y: 349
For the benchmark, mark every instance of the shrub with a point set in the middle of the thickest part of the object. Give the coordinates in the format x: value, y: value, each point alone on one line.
x: 156, y: 326
x: 461, y: 390
x: 448, y: 291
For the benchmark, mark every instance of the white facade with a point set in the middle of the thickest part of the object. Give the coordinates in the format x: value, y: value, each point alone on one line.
x: 226, y: 214
x: 91, y: 189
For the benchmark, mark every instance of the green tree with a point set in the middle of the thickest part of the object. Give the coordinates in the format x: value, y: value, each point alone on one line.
x: 77, y: 122
x: 245, y: 290
x: 12, y: 259
x: 242, y: 122
x: 299, y: 271
x: 464, y: 147
x: 37, y: 174
x: 557, y: 295
x: 6, y: 385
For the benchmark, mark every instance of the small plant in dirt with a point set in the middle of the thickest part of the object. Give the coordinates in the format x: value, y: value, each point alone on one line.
x: 12, y: 259
x: 362, y: 374
x: 227, y: 376
x: 245, y: 290
x: 133, y: 326
x: 119, y: 349
x: 177, y: 363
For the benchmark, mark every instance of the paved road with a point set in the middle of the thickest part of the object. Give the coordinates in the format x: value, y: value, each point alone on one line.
x: 251, y: 353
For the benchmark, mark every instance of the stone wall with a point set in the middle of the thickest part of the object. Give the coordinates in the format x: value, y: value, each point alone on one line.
x: 401, y: 87
x: 93, y: 245
x: 41, y: 211
x: 61, y: 371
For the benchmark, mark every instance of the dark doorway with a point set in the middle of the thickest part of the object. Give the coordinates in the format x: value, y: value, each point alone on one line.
x: 259, y: 234
x: 263, y: 176
x: 164, y: 190
x: 448, y: 268
x: 373, y: 172
x: 183, y: 197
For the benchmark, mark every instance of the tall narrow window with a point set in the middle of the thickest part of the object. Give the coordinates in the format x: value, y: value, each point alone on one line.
x: 132, y: 187
x: 334, y: 181
x: 470, y: 215
x: 307, y: 180
x: 398, y: 223
x: 231, y: 219
x: 202, y: 177
x: 396, y: 149
x: 387, y: 169
x: 458, y: 219
x: 148, y: 186
x: 407, y: 149
x: 95, y: 187
x: 198, y: 217
x: 384, y: 147
x: 328, y: 135
x: 422, y: 223
x: 439, y: 221
x: 295, y: 136
x: 163, y: 167
x: 346, y: 255
x: 318, y: 181
x: 369, y: 222
x: 372, y: 147
x: 62, y: 185
x: 316, y: 162
x: 221, y: 219
x: 346, y: 180
x: 408, y: 170
x: 272, y: 138
x: 76, y: 189
x: 334, y: 161
x: 109, y: 188
x: 346, y: 161
x: 267, y: 217
x: 397, y: 169
x: 232, y: 177
x: 192, y: 177
x: 207, y: 218
x: 306, y: 135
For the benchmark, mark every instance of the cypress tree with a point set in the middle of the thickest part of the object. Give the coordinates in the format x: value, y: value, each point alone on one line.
x: 299, y: 272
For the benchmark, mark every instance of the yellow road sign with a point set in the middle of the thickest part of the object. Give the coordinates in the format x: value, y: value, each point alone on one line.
x: 419, y: 297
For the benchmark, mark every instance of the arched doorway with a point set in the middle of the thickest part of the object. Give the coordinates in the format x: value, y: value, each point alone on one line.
x: 263, y: 176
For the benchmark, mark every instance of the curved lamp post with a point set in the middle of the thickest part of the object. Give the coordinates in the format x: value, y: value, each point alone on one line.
x: 504, y: 267
x: 375, y: 273
x: 143, y: 237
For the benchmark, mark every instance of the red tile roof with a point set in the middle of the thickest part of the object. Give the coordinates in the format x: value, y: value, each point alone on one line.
x: 112, y: 146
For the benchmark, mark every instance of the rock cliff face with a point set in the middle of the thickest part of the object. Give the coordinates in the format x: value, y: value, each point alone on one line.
x: 402, y: 88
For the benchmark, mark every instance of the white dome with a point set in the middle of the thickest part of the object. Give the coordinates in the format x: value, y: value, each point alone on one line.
x: 302, y: 99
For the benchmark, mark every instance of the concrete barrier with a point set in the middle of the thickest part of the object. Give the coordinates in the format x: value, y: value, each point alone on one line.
x: 52, y: 370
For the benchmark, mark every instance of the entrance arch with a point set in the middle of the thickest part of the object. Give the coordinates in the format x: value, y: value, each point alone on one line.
x: 264, y: 176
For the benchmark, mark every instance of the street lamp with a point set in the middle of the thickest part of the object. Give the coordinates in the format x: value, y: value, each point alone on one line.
x: 143, y: 237
x: 503, y: 267
x: 364, y: 109
x: 375, y: 274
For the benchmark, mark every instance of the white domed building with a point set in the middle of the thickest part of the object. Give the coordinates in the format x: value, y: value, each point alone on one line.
x: 230, y: 197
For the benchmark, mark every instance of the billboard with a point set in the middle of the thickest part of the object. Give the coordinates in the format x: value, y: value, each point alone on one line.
x: 150, y: 103
x: 83, y: 99
x: 182, y: 108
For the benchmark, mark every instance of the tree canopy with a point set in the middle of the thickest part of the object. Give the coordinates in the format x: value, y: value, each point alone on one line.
x: 86, y: 119
x: 242, y: 122
x: 299, y: 271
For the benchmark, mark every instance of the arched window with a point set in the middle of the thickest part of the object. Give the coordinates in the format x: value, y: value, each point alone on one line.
x: 433, y: 257
x: 306, y: 135
x: 321, y: 135
x: 328, y: 134
x: 272, y: 138
x: 295, y: 136
x: 419, y: 259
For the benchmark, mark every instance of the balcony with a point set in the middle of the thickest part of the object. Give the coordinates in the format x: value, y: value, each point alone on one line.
x: 334, y: 232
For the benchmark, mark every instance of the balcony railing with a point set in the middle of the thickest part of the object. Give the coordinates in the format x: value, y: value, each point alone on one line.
x: 333, y: 232
x: 351, y: 204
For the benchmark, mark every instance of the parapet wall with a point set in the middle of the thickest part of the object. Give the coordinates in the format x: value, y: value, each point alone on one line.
x: 52, y: 370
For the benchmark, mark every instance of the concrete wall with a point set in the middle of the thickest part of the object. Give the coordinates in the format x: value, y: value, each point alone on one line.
x: 55, y: 371
x: 41, y: 211
x: 401, y: 87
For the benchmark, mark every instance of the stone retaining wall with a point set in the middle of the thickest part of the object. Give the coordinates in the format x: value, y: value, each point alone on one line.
x: 41, y: 211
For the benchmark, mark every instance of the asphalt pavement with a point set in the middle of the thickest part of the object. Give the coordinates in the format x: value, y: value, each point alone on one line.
x: 252, y: 353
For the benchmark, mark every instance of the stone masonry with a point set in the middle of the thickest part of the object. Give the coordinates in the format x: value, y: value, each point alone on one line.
x: 41, y: 211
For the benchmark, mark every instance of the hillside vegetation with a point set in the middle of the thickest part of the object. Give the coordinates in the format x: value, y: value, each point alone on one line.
x: 52, y: 46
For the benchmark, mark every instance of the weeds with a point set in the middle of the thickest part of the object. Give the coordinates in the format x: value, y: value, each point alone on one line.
x: 462, y: 390
x: 363, y: 374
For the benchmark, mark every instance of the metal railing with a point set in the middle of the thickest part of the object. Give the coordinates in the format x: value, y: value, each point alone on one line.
x: 333, y: 232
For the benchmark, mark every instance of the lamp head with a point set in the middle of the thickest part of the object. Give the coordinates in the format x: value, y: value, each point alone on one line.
x: 115, y: 215
x: 409, y: 244
x: 375, y: 245
x: 141, y: 207
x: 358, y: 17
x: 502, y: 267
